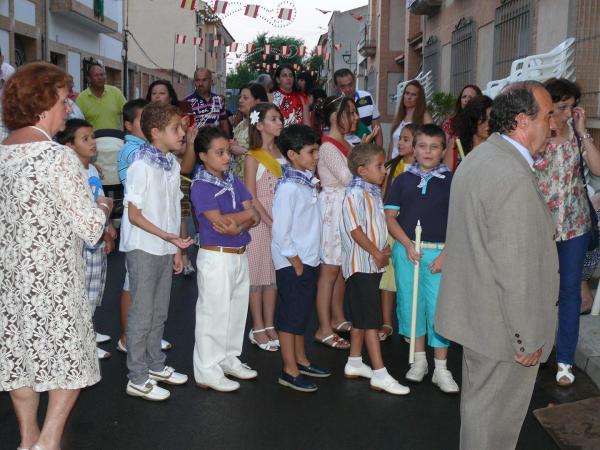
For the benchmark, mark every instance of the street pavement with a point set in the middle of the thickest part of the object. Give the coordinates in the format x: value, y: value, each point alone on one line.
x: 342, y: 414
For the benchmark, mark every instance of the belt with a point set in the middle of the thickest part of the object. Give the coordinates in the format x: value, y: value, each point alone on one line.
x: 218, y: 248
x: 432, y: 245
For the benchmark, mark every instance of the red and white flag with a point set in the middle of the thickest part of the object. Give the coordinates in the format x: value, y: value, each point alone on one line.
x: 233, y: 47
x: 198, y: 41
x: 301, y: 50
x: 180, y: 38
x: 264, y: 57
x: 319, y: 50
x: 286, y: 13
x: 285, y: 50
x: 276, y: 57
x: 251, y: 11
x: 188, y: 4
x: 220, y: 7
x: 216, y: 43
x: 357, y: 17
x: 267, y: 49
x: 337, y: 46
x: 249, y: 48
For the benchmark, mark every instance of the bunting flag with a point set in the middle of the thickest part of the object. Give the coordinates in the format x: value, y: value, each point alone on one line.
x: 357, y: 17
x: 264, y: 57
x: 319, y: 50
x: 276, y: 57
x: 296, y: 67
x: 216, y: 43
x: 285, y: 50
x: 285, y: 13
x: 233, y: 47
x: 188, y: 4
x: 198, y: 41
x: 249, y: 48
x: 301, y: 50
x: 251, y: 11
x: 322, y: 11
x: 337, y: 46
x: 180, y: 38
x: 267, y: 49
x: 220, y: 7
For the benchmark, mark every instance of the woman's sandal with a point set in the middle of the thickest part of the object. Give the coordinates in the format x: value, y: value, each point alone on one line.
x: 383, y: 334
x: 565, y: 371
x: 268, y: 346
x: 274, y: 341
x: 334, y: 341
x: 343, y: 328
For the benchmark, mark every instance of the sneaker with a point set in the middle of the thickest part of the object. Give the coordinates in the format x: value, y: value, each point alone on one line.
x: 417, y: 371
x: 223, y: 384
x: 442, y: 378
x: 121, y: 346
x: 389, y: 384
x: 355, y: 372
x: 102, y: 354
x: 102, y: 338
x: 169, y: 376
x: 298, y: 383
x: 313, y: 371
x: 241, y: 371
x: 148, y: 391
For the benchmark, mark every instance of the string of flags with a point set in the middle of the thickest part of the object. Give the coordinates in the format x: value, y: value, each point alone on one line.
x: 281, y: 16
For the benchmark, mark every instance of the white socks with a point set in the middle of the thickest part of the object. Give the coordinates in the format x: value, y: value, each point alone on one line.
x: 440, y: 363
x: 380, y: 373
x: 421, y: 358
x: 355, y: 362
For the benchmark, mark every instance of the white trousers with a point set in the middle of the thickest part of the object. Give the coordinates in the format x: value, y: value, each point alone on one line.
x: 221, y: 310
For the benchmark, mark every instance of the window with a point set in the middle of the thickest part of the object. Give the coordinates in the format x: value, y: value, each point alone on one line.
x: 463, y: 54
x: 431, y: 60
x: 512, y: 34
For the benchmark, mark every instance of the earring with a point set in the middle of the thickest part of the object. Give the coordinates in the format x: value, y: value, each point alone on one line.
x: 42, y: 116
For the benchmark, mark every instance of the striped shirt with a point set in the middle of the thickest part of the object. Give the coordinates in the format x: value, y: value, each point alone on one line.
x: 365, y: 210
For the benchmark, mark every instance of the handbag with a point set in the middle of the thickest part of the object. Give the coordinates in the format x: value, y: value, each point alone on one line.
x: 594, y: 235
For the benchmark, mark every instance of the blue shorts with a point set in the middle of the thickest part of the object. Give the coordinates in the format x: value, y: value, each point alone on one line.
x: 297, y: 295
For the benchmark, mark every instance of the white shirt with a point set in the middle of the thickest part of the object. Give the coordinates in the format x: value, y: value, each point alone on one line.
x: 521, y: 148
x: 156, y: 193
x: 296, y: 225
x: 396, y: 138
x: 6, y: 71
x: 75, y: 110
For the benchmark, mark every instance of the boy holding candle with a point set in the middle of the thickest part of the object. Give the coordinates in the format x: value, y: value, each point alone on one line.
x: 422, y: 194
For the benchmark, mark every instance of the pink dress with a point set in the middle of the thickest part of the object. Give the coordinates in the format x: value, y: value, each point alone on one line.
x: 262, y: 271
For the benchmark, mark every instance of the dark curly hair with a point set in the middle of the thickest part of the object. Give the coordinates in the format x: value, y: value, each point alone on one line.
x: 467, y: 121
x: 31, y: 90
x: 561, y: 89
x: 257, y: 91
x: 205, y: 137
x: 514, y: 99
x: 169, y: 86
x: 157, y: 115
x: 458, y: 105
x: 277, y: 74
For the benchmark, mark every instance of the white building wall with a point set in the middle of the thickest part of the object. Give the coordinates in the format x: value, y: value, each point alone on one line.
x: 113, y: 9
x: 74, y: 68
x: 4, y: 8
x: 25, y: 12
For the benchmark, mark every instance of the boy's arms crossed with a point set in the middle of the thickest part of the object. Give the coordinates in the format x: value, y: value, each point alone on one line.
x: 234, y: 223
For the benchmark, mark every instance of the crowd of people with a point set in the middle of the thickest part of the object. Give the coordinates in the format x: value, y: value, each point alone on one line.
x: 295, y: 207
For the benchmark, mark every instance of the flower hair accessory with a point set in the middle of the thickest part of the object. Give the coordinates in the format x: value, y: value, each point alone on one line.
x: 254, y: 117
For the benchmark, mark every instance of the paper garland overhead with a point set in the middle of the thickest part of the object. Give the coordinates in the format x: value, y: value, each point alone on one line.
x: 281, y: 16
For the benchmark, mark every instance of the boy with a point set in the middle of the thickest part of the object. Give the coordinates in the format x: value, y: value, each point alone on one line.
x: 296, y: 252
x: 150, y: 238
x: 422, y: 193
x: 365, y: 254
x: 79, y: 135
x: 223, y: 207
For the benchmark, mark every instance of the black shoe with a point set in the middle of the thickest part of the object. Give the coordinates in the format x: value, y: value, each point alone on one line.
x: 298, y: 383
x: 313, y: 371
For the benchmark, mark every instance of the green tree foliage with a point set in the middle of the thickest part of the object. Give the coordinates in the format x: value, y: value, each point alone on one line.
x: 441, y: 106
x: 241, y: 75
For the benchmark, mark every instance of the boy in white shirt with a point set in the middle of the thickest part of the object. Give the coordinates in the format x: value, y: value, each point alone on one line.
x: 150, y: 238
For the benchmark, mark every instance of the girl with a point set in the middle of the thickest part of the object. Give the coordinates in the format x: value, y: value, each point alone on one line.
x: 262, y: 169
x: 395, y: 167
x: 412, y: 109
x: 293, y: 104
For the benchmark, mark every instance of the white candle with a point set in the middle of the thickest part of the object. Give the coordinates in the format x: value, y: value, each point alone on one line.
x: 415, y: 296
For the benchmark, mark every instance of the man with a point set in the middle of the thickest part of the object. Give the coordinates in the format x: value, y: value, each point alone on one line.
x: 366, y: 107
x: 6, y: 71
x: 208, y: 108
x: 499, y: 288
x: 101, y: 104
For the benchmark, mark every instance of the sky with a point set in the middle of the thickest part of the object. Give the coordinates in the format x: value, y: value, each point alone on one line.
x: 308, y: 24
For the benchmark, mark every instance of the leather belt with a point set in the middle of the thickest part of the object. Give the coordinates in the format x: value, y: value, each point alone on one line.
x: 432, y: 245
x: 218, y: 248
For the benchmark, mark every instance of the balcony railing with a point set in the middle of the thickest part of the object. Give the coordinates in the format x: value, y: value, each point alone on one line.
x: 78, y: 12
x: 425, y: 7
x: 366, y: 47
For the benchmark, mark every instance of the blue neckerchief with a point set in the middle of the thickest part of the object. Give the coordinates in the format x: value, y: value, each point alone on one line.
x: 436, y: 172
x: 153, y: 156
x: 358, y: 182
x: 291, y: 175
x: 226, y: 184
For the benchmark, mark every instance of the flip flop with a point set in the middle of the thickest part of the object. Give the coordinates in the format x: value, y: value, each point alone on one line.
x: 383, y: 335
x: 334, y: 341
x: 341, y: 328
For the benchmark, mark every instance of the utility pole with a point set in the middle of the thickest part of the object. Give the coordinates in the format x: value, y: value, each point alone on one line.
x: 124, y: 51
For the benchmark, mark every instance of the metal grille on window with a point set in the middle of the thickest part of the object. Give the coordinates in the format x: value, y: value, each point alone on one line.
x: 431, y: 60
x: 584, y: 26
x: 463, y: 54
x: 512, y: 34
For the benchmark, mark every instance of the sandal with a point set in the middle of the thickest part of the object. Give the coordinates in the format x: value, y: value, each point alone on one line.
x: 383, y: 334
x: 334, y: 341
x: 342, y: 328
x: 268, y: 346
x: 565, y: 371
x: 274, y: 341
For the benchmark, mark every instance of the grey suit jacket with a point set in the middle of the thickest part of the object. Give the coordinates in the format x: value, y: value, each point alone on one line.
x: 499, y: 288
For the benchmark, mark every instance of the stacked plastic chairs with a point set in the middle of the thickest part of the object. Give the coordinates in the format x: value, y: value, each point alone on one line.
x: 426, y: 80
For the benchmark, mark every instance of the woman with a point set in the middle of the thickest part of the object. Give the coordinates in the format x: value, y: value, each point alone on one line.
x: 46, y: 214
x: 292, y: 103
x: 162, y: 91
x: 250, y: 95
x: 340, y: 117
x: 412, y: 109
x: 472, y: 123
x: 558, y: 170
x: 466, y: 94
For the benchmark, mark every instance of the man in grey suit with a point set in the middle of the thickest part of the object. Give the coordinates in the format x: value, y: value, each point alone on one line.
x: 499, y: 290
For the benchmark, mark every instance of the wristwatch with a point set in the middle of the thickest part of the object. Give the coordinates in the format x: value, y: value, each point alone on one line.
x: 587, y: 136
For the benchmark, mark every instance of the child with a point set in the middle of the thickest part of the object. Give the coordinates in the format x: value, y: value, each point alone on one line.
x: 79, y: 135
x: 150, y: 238
x: 422, y: 194
x: 364, y: 255
x: 262, y: 169
x: 224, y: 211
x: 394, y: 168
x: 296, y: 250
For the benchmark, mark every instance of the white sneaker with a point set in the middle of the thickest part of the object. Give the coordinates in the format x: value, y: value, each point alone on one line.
x: 442, y: 378
x: 148, y: 391
x: 102, y: 354
x: 355, y: 372
x: 388, y: 384
x: 102, y: 338
x: 165, y: 345
x: 417, y: 371
x: 222, y: 385
x: 168, y: 375
x: 241, y: 372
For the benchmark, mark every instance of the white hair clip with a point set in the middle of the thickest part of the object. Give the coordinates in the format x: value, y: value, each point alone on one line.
x: 254, y: 117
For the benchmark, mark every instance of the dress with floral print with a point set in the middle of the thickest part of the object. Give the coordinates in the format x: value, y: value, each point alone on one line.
x: 559, y: 179
x: 290, y: 105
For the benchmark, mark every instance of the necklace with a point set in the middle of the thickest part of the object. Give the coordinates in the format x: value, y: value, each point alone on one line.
x: 41, y: 130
